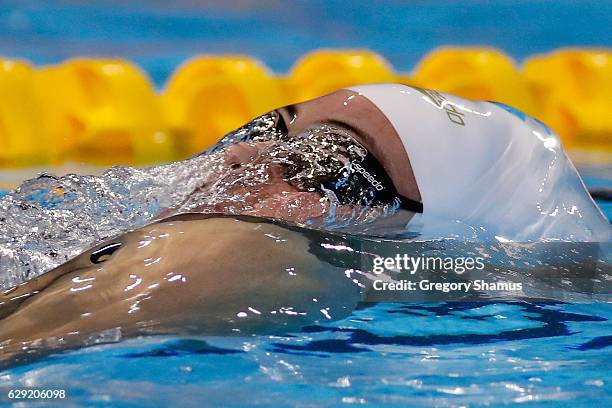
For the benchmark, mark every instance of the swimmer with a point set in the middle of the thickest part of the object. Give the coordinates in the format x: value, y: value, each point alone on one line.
x: 445, y: 166
x: 171, y: 278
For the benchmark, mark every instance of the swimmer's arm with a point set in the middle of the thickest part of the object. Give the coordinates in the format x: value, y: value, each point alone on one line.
x: 256, y: 278
x: 250, y: 278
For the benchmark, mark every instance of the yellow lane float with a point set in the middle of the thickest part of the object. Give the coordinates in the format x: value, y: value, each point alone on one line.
x: 476, y: 73
x: 208, y: 96
x: 573, y: 89
x: 22, y: 139
x: 101, y: 112
x: 324, y: 71
x: 105, y: 111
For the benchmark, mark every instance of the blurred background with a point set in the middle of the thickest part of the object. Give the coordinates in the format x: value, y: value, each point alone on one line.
x: 87, y: 84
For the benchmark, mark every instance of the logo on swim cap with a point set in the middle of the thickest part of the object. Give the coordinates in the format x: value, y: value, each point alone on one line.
x: 375, y: 183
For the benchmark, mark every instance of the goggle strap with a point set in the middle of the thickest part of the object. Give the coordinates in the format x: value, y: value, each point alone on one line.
x: 410, y: 204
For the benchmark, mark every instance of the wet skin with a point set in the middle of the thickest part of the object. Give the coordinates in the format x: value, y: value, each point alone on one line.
x: 191, y: 274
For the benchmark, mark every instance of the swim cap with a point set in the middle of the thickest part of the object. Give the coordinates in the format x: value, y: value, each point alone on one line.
x: 488, y: 167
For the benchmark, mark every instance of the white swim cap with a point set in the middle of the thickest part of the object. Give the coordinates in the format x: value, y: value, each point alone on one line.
x: 488, y: 168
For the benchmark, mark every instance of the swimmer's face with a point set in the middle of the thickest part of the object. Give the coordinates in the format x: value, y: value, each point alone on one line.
x: 363, y: 121
x: 340, y: 143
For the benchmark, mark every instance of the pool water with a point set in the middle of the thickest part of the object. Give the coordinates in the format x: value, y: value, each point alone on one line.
x: 449, y: 354
x: 446, y: 354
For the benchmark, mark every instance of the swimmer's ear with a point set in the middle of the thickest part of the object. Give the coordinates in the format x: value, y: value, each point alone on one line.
x: 103, y: 253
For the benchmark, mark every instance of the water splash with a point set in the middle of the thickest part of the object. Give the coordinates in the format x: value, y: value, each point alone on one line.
x: 49, y: 220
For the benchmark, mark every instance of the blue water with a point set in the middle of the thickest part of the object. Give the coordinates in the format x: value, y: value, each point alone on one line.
x: 159, y: 35
x: 447, y: 355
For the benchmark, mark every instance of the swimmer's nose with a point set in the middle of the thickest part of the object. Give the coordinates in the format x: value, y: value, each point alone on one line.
x: 240, y: 153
